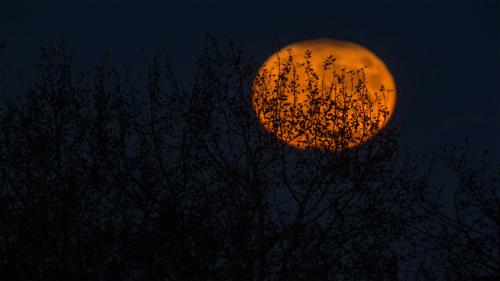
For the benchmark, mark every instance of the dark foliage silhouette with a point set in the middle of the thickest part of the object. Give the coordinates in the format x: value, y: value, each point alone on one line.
x: 458, y: 235
x: 104, y: 177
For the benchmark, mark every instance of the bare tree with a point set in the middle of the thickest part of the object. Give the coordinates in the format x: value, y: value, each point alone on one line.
x: 105, y: 176
x: 280, y: 213
x: 457, y: 237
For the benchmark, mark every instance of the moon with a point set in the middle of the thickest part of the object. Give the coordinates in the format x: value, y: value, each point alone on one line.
x: 324, y: 94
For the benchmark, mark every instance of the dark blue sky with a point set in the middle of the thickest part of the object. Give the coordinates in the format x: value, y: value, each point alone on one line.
x: 445, y: 55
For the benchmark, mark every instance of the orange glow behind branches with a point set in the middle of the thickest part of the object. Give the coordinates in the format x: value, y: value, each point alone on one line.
x: 324, y: 94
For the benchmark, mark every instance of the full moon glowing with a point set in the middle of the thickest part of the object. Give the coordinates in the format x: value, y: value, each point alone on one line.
x: 324, y: 94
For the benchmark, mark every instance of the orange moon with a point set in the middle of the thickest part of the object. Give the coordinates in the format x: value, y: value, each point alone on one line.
x: 324, y: 94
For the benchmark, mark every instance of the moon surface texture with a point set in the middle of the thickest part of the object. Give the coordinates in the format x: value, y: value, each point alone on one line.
x: 324, y: 94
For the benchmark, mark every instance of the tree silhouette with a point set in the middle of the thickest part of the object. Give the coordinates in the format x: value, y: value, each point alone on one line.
x: 308, y: 215
x: 107, y: 177
x: 459, y: 239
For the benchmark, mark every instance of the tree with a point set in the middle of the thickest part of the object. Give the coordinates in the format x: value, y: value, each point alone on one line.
x: 108, y: 177
x: 460, y: 239
x: 308, y: 214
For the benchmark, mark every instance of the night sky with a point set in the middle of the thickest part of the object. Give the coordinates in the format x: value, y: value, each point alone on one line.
x: 444, y: 55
